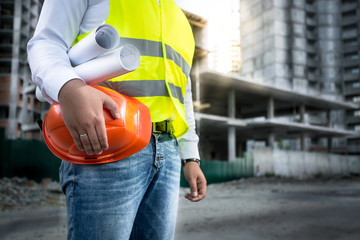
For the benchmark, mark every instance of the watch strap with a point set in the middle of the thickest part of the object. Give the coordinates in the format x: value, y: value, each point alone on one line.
x: 184, y: 161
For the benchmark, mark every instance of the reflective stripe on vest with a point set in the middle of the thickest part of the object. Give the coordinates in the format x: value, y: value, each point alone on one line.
x: 154, y: 49
x: 147, y: 88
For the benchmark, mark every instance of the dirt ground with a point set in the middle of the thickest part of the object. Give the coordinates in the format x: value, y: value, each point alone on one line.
x: 260, y: 208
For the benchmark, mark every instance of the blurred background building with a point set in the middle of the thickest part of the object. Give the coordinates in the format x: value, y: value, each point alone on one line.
x: 310, y: 48
x: 19, y: 108
x: 298, y: 84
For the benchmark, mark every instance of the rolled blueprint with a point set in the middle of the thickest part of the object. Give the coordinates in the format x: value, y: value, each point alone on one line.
x: 116, y: 63
x: 99, y: 41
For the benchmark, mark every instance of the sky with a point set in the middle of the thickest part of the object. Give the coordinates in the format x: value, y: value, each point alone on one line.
x: 196, y: 6
x: 220, y: 17
x: 206, y: 8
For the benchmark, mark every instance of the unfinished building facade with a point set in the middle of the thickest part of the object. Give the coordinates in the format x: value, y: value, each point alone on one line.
x: 308, y: 47
x: 19, y: 108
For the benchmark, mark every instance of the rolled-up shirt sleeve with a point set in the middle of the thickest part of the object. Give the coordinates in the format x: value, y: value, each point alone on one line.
x: 188, y: 143
x: 56, y: 30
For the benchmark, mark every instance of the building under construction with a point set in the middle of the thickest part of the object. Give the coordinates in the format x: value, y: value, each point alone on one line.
x: 19, y: 108
x: 311, y: 48
x: 299, y: 84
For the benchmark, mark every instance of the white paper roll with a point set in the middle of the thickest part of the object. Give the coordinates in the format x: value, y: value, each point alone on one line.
x: 94, y: 69
x: 116, y: 63
x: 99, y: 41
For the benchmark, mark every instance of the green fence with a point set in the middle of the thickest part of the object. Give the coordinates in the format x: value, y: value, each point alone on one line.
x: 27, y: 158
x: 32, y: 159
x: 222, y: 171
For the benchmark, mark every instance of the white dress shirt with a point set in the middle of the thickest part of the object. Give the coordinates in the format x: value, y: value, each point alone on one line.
x: 60, y: 22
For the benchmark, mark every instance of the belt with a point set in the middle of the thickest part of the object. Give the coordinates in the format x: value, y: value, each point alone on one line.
x: 161, y: 127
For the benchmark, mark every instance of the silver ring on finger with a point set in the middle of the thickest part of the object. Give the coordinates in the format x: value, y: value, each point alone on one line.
x: 83, y: 135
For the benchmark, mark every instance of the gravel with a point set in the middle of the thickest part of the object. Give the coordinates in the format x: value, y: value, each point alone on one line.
x: 20, y: 194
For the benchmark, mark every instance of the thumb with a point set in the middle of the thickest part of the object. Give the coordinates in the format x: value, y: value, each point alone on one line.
x: 193, y: 187
x: 112, y: 106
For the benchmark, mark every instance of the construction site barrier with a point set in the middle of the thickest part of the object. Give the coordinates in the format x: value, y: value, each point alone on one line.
x: 32, y: 159
x: 217, y: 171
x: 27, y: 158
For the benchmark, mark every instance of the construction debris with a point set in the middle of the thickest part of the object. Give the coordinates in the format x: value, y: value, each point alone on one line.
x: 20, y: 193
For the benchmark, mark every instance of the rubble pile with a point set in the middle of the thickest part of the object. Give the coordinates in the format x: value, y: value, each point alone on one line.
x: 20, y: 193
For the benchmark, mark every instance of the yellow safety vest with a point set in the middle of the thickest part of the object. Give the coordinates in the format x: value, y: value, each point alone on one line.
x: 164, y: 38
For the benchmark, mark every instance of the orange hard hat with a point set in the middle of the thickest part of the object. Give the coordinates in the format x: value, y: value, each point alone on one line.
x: 126, y: 135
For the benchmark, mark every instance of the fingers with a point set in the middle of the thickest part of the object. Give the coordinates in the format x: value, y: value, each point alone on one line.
x: 84, y: 138
x: 101, y: 134
x: 193, y: 188
x: 76, y: 136
x: 197, y: 189
x: 95, y: 139
x: 91, y: 140
x: 112, y: 106
x: 202, y: 190
x: 92, y: 144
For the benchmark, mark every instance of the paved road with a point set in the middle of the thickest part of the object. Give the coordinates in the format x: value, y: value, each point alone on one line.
x: 274, y: 210
x: 248, y: 209
x: 42, y: 223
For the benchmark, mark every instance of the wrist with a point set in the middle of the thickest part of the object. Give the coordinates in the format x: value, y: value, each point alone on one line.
x: 194, y: 160
x: 70, y: 86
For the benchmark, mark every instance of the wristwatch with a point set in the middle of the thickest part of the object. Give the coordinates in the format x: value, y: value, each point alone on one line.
x: 184, y: 161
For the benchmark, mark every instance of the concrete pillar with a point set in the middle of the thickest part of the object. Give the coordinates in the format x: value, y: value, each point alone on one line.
x: 271, y: 140
x: 231, y: 104
x: 328, y: 118
x: 303, y: 142
x: 270, y: 114
x: 328, y: 123
x: 12, y: 129
x: 303, y: 135
x: 302, y: 113
x: 270, y: 108
x: 24, y: 111
x: 231, y: 143
x: 231, y: 129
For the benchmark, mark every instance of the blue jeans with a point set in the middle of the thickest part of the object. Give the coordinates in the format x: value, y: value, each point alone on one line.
x: 134, y: 198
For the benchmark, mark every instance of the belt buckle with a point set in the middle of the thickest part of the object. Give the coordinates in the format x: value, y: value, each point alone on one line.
x: 160, y: 127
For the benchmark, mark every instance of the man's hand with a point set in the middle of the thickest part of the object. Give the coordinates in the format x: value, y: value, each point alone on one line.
x: 196, y: 179
x: 82, y: 111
